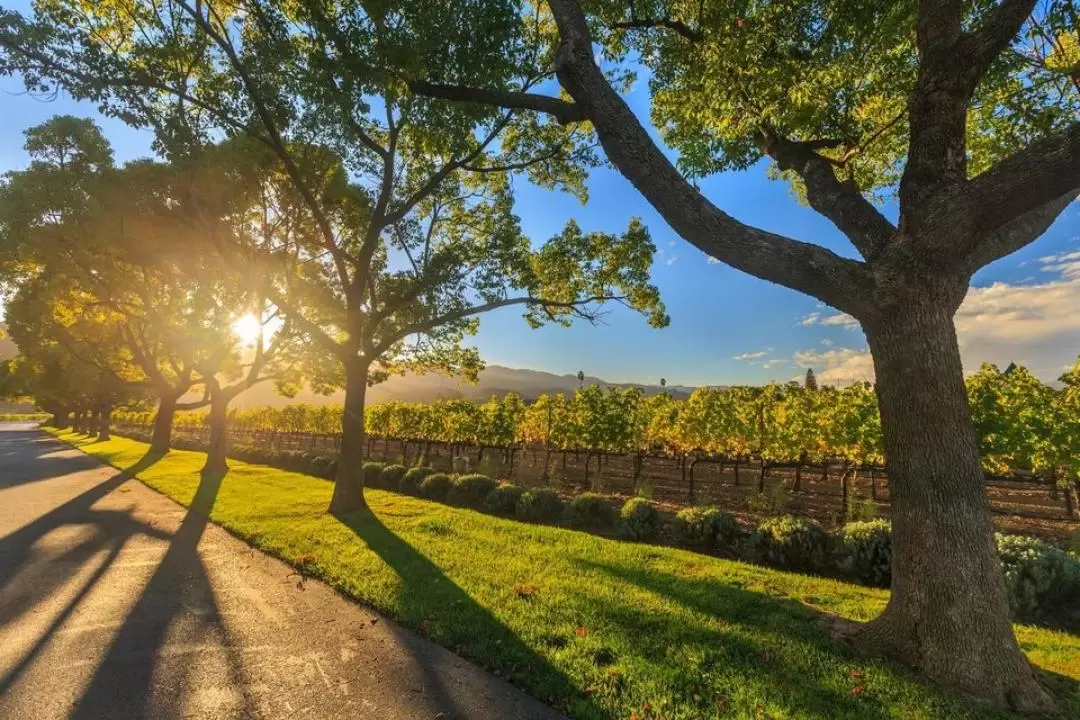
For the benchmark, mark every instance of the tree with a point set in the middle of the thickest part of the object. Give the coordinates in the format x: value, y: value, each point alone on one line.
x: 811, y: 381
x: 967, y: 111
x: 404, y: 230
x: 68, y: 359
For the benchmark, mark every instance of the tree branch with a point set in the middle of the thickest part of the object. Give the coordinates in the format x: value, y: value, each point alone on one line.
x: 840, y: 201
x: 667, y: 23
x: 277, y: 142
x: 563, y: 111
x: 1017, y: 233
x: 312, y: 329
x: 995, y: 34
x: 431, y: 324
x: 1024, y: 182
x: 844, y: 284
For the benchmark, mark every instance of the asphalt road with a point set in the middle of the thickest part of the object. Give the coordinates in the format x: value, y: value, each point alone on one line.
x: 115, y: 602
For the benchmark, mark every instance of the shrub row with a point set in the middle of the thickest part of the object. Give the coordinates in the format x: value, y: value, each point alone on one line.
x: 1043, y: 582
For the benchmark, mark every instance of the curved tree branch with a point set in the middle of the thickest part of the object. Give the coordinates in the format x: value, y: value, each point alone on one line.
x: 431, y: 324
x: 1017, y: 233
x: 842, y: 283
x: 1023, y: 183
x: 838, y: 200
x: 563, y: 111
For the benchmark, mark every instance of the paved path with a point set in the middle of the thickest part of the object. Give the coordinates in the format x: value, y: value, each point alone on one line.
x: 115, y: 602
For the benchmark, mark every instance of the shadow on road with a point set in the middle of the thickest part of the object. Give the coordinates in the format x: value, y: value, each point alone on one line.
x: 456, y: 620
x: 45, y: 459
x: 128, y: 680
x: 112, y: 530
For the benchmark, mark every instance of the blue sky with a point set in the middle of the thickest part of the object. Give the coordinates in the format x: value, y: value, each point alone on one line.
x: 726, y: 327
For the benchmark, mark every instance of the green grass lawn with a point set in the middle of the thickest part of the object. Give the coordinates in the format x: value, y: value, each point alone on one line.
x: 598, y: 628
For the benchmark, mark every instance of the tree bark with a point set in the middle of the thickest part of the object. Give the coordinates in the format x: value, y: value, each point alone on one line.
x: 105, y: 422
x: 161, y: 440
x: 217, y: 450
x: 948, y: 615
x: 349, y: 483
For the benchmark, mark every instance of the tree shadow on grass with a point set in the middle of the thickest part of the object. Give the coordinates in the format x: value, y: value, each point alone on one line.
x: 763, y: 630
x: 431, y: 601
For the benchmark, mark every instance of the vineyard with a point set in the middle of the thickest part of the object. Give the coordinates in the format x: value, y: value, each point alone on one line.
x: 820, y: 449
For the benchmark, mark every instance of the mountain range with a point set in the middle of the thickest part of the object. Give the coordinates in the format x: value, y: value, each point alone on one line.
x: 493, y: 380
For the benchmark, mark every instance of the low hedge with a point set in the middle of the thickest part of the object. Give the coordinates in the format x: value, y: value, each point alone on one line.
x: 373, y: 474
x: 791, y: 542
x: 503, y: 500
x: 706, y: 526
x: 541, y: 505
x: 471, y: 490
x: 436, y: 486
x: 590, y: 511
x: 1043, y: 581
x: 866, y: 552
x: 639, y: 520
x: 410, y: 481
x: 390, y: 478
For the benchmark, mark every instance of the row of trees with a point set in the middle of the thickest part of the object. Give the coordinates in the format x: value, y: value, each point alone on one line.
x: 382, y: 121
x: 1023, y: 423
x: 200, y: 275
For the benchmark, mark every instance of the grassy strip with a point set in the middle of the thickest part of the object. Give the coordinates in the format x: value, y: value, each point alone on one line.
x: 599, y: 628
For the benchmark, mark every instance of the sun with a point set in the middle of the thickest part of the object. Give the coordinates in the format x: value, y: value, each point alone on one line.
x: 247, y: 329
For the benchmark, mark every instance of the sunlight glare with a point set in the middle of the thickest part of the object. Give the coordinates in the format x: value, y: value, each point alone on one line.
x: 247, y: 329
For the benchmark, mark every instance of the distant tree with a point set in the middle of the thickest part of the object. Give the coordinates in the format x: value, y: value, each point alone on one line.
x: 663, y: 382
x: 811, y: 381
x: 581, y: 378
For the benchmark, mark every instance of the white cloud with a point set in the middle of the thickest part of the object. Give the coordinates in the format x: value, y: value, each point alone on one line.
x: 713, y: 261
x: 827, y: 342
x: 1037, y: 326
x: 842, y: 365
x: 671, y: 243
x: 755, y: 355
x: 775, y: 362
x: 1066, y: 264
x: 838, y: 320
x: 841, y: 320
x: 671, y: 260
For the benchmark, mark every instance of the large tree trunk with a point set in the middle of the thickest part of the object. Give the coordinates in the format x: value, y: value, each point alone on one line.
x: 104, y: 423
x: 948, y: 615
x: 349, y: 483
x: 161, y: 440
x: 218, y: 450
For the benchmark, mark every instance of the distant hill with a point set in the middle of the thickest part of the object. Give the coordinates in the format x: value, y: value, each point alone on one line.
x: 493, y: 380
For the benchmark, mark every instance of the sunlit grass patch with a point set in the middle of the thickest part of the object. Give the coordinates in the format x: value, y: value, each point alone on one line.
x: 597, y: 627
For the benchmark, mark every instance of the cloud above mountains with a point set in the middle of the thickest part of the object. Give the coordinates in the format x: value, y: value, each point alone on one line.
x: 1036, y: 325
